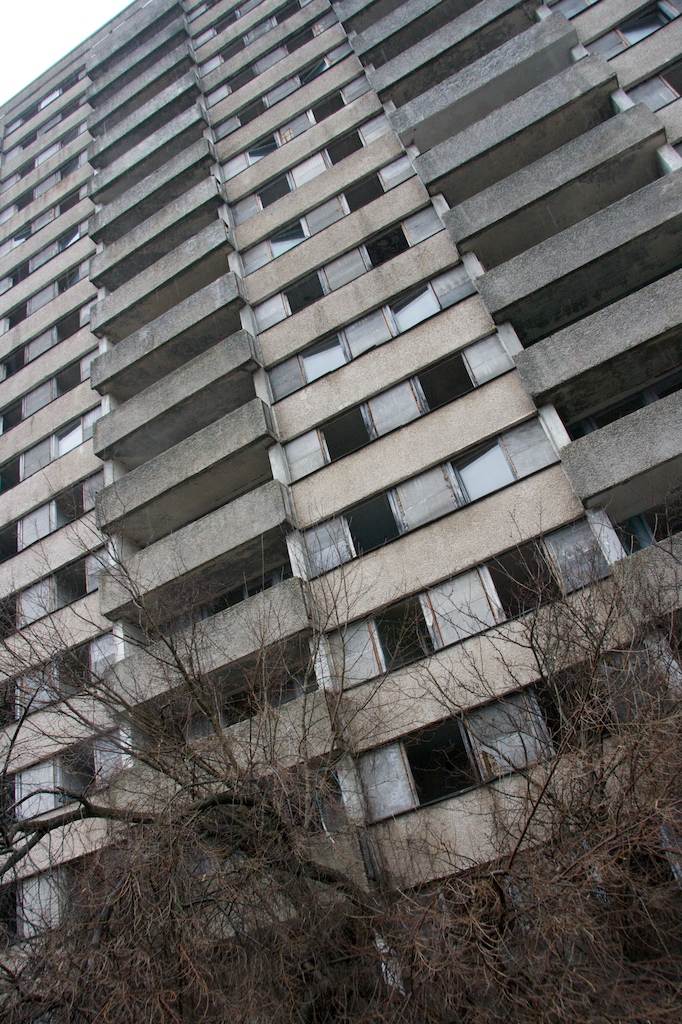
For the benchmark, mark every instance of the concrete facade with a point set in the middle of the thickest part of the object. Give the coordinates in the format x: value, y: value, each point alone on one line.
x: 134, y: 367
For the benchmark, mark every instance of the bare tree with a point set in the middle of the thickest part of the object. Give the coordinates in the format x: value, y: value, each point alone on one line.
x: 213, y: 867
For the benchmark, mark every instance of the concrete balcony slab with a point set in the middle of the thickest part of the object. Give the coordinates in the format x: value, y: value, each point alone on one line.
x: 199, y: 392
x: 118, y: 139
x: 631, y: 464
x: 177, y: 275
x: 156, y: 237
x: 358, y: 15
x: 191, y: 327
x: 169, y: 68
x: 558, y: 190
x: 591, y: 264
x: 521, y: 131
x: 159, y: 189
x: 126, y: 36
x: 200, y: 473
x: 574, y: 367
x: 233, y: 543
x: 104, y: 87
x: 399, y: 30
x: 480, y: 29
x: 227, y: 638
x: 148, y: 155
x: 470, y: 95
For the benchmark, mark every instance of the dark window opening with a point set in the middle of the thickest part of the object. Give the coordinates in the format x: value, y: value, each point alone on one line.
x: 23, y: 201
x: 14, y: 361
x: 11, y: 416
x: 277, y: 188
x: 8, y: 902
x: 234, y: 48
x: 372, y: 524
x: 346, y: 434
x: 8, y: 542
x: 68, y: 379
x: 311, y: 72
x: 8, y: 615
x: 439, y: 761
x: 363, y: 192
x: 403, y: 634
x: 339, y: 150
x: 656, y: 524
x: 445, y: 381
x: 299, y: 40
x: 70, y: 583
x: 68, y: 326
x: 328, y: 107
x: 304, y: 293
x: 21, y: 273
x: 242, y: 78
x: 386, y: 246
x: 522, y: 580
x: 68, y: 280
x: 17, y: 315
x: 250, y: 112
x: 69, y: 505
x: 9, y: 475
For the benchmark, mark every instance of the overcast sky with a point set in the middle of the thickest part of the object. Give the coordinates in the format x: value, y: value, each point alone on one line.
x: 34, y: 34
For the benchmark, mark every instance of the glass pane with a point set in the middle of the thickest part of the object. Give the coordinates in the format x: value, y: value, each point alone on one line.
x: 529, y: 448
x: 422, y: 225
x: 356, y: 88
x: 39, y: 345
x: 577, y: 555
x: 36, y: 458
x: 270, y: 312
x: 280, y: 91
x: 507, y: 734
x: 607, y: 45
x: 387, y: 782
x: 308, y: 170
x: 256, y: 257
x: 344, y: 269
x: 41, y: 897
x: 286, y: 378
x: 395, y: 173
x: 41, y: 298
x: 322, y: 216
x: 426, y: 497
x: 642, y: 26
x: 236, y: 165
x: 37, y: 399
x: 485, y: 473
x: 374, y: 129
x: 453, y: 286
x: 654, y: 93
x: 35, y: 690
x: 34, y: 526
x: 366, y: 333
x: 461, y: 607
x: 34, y: 602
x: 304, y: 455
x: 261, y: 149
x: 327, y: 546
x: 394, y: 407
x: 487, y: 359
x: 29, y: 783
x: 69, y: 438
x: 286, y: 238
x: 322, y: 358
x: 92, y: 486
x: 245, y: 209
x: 414, y: 308
x: 294, y: 128
x: 354, y: 654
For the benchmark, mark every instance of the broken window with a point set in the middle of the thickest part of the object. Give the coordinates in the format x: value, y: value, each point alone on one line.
x: 372, y: 523
x: 402, y: 633
x: 450, y: 756
x: 345, y: 434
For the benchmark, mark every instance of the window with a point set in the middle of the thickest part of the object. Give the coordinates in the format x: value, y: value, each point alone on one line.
x: 449, y: 757
x: 287, y: 132
x: 321, y: 217
x: 369, y: 332
x: 512, y: 584
x: 646, y: 528
x: 624, y: 406
x: 660, y: 90
x: 41, y: 902
x: 348, y: 267
x: 635, y: 28
x: 67, y: 379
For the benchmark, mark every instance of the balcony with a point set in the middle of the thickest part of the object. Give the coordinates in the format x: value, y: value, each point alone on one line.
x: 520, y: 131
x: 591, y: 264
x: 159, y: 189
x: 169, y: 281
x: 468, y: 96
x: 639, y: 335
x: 424, y: 62
x: 560, y: 189
x: 189, y: 480
x: 157, y: 236
x: 153, y: 351
x: 632, y: 464
x: 116, y: 140
x: 147, y: 156
x: 203, y: 390
x: 125, y: 37
x: 235, y: 542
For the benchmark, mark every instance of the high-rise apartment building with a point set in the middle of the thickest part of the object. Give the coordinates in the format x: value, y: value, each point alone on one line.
x: 343, y: 322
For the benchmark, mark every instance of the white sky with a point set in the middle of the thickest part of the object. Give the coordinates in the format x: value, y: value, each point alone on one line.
x: 34, y: 34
